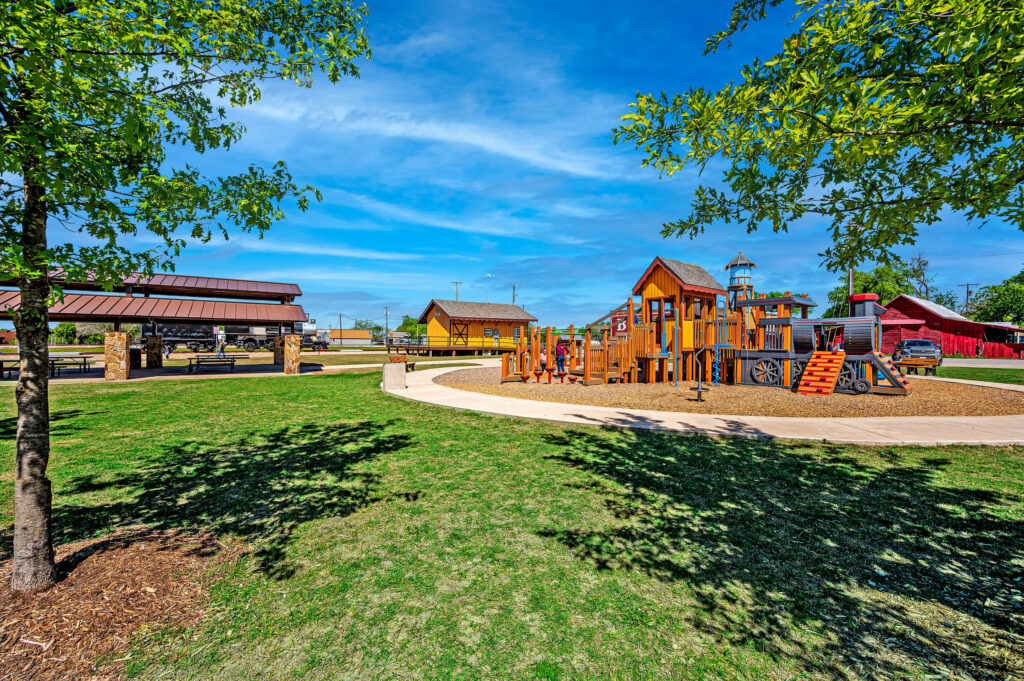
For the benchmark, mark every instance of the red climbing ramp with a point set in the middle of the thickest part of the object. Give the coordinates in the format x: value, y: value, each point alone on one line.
x: 822, y: 373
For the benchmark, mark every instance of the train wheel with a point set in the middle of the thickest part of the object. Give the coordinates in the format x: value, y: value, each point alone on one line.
x: 766, y: 372
x: 847, y: 375
x: 861, y: 386
x: 798, y: 369
x: 249, y: 345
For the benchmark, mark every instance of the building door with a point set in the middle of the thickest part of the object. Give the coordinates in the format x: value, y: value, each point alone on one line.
x: 460, y: 334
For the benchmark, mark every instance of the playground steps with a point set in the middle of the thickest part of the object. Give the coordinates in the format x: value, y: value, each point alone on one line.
x: 898, y: 383
x: 822, y: 373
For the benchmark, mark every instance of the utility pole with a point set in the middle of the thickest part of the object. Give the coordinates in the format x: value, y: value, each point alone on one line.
x: 386, y: 308
x: 967, y: 298
x: 513, y: 292
x: 456, y: 290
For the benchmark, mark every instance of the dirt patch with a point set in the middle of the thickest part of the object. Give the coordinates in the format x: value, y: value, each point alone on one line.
x: 109, y: 589
x: 928, y: 398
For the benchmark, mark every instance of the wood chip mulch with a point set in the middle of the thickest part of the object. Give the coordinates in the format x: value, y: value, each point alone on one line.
x: 109, y: 589
x: 928, y: 398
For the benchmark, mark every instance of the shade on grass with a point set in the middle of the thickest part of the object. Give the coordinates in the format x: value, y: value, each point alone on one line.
x: 993, y: 375
x: 391, y: 539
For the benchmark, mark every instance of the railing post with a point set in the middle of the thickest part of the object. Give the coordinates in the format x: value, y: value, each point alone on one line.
x: 587, y: 361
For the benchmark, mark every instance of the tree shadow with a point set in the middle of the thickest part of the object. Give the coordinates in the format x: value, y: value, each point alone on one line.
x: 259, y: 488
x: 895, y: 574
x: 61, y: 423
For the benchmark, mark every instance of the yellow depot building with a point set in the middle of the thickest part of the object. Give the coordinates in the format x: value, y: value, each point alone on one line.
x: 459, y: 325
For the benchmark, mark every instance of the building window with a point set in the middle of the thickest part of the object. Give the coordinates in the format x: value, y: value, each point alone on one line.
x: 697, y: 308
x: 515, y: 333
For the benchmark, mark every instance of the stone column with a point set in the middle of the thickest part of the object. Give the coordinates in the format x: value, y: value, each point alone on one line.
x: 115, y: 357
x: 292, y: 352
x: 154, y: 352
x: 279, y: 350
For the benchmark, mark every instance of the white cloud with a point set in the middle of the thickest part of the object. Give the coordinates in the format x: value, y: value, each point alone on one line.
x: 278, y: 246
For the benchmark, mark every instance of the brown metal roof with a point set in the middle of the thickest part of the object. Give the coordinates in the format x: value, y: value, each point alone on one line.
x: 495, y: 312
x: 186, y: 285
x: 89, y: 307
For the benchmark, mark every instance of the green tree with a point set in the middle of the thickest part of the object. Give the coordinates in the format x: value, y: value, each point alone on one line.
x: 92, y: 93
x: 876, y: 114
x: 368, y: 324
x: 65, y: 333
x: 887, y: 281
x: 411, y: 326
x: 945, y: 299
x: 1002, y: 302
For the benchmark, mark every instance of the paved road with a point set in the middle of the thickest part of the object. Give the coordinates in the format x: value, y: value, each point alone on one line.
x: 919, y: 430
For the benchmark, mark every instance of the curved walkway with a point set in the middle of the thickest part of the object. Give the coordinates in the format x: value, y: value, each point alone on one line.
x: 911, y: 430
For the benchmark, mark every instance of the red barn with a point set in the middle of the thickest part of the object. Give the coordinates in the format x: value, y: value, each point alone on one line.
x: 7, y: 337
x: 908, y: 317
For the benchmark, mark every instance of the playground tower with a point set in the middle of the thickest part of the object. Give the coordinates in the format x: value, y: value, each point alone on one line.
x: 740, y: 271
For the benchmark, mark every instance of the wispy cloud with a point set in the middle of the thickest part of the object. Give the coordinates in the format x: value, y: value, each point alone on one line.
x: 278, y: 246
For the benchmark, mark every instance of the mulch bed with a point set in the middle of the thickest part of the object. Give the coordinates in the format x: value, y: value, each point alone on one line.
x: 109, y: 589
x: 927, y: 398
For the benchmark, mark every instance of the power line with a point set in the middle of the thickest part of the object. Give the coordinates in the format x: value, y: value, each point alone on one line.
x: 967, y: 297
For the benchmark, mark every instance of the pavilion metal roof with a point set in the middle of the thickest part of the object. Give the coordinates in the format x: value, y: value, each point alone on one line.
x: 188, y: 285
x: 103, y: 308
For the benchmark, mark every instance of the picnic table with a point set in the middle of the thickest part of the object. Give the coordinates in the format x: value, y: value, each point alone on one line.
x: 8, y: 365
x: 227, y: 360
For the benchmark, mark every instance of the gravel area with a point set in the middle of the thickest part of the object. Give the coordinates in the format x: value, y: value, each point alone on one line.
x: 928, y: 398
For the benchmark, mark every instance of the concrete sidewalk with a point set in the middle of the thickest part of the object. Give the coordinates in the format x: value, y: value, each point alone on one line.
x: 918, y: 430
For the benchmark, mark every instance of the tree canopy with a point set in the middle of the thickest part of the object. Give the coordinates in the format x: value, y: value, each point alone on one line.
x: 93, y: 93
x: 879, y: 115
x: 1002, y: 302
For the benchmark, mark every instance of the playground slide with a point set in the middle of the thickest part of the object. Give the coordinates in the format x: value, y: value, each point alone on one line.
x: 898, y: 383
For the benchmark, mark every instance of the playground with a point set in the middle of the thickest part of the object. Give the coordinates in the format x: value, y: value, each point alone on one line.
x: 926, y: 398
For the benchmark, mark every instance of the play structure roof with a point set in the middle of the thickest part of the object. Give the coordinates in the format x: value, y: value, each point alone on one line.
x: 92, y: 307
x: 741, y: 260
x: 784, y: 300
x: 463, y: 309
x: 687, y: 274
x: 187, y: 285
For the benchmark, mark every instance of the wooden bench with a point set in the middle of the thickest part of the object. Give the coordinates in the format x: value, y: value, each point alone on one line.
x: 199, y: 361
x: 910, y: 365
x: 398, y: 359
x: 8, y: 367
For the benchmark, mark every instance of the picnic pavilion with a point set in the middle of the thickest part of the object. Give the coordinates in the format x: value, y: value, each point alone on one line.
x: 174, y: 299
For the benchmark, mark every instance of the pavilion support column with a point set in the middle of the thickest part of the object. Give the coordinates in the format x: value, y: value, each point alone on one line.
x: 115, y: 357
x: 292, y: 355
x: 279, y: 350
x: 154, y: 352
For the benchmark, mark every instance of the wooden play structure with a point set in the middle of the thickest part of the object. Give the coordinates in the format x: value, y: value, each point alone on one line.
x: 681, y: 331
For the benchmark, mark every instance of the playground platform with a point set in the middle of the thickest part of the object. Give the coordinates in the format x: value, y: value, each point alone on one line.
x: 888, y: 431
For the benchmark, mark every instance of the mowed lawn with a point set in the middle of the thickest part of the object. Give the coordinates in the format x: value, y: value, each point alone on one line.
x: 993, y: 375
x: 389, y: 539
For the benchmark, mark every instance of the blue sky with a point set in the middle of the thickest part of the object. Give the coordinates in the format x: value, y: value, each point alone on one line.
x: 478, y: 142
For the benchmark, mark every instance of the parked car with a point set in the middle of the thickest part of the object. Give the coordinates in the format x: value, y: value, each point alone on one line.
x: 917, y: 347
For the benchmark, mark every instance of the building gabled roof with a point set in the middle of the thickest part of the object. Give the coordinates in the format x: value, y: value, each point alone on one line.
x: 493, y: 312
x: 741, y: 260
x: 932, y: 307
x: 182, y: 285
x: 687, y: 274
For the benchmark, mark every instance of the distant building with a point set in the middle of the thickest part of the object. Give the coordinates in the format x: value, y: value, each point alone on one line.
x: 351, y: 337
x: 464, y: 324
x: 7, y: 337
x: 907, y: 317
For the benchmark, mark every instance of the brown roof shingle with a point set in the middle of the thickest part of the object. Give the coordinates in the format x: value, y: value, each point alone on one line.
x: 462, y: 309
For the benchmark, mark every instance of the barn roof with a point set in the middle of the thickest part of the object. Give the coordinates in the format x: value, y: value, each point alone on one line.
x: 685, y: 273
x: 184, y: 285
x: 932, y: 307
x: 464, y: 309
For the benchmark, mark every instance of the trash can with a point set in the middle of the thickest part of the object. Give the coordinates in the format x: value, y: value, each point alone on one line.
x: 134, y: 358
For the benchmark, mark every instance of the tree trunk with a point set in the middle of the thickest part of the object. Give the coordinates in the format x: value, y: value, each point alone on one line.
x: 33, y: 544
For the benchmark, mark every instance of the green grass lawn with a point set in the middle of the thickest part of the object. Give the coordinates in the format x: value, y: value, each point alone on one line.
x: 390, y: 539
x: 984, y: 374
